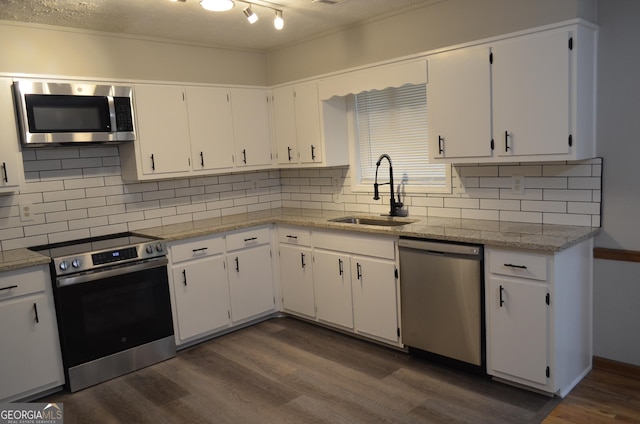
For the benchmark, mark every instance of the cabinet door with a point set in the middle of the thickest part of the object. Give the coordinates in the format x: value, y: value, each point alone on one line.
x: 284, y: 122
x: 296, y: 279
x: 250, y: 282
x: 210, y: 128
x: 332, y: 276
x: 459, y: 99
x: 202, y: 297
x: 163, y: 129
x: 374, y: 297
x: 30, y: 347
x: 307, y: 109
x: 251, y: 126
x: 518, y: 329
x: 531, y: 94
x: 11, y: 167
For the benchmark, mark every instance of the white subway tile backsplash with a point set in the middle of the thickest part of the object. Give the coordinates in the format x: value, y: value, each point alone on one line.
x: 481, y: 214
x: 502, y: 205
x: 568, y: 195
x: 531, y: 217
x: 585, y: 183
x: 85, y: 182
x: 521, y: 170
x: 544, y: 206
x: 88, y: 223
x: 80, y: 191
x: 53, y: 196
x: 545, y: 182
x: 69, y: 235
x: 566, y: 219
x: 66, y: 215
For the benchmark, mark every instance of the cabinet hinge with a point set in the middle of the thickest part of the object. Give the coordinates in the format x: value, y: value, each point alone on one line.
x: 570, y: 140
x: 274, y: 300
x: 398, y: 331
x: 270, y: 253
x: 548, y: 372
x: 229, y: 314
x: 547, y: 299
x: 491, y: 57
x: 492, y: 144
x: 395, y: 272
x: 570, y: 43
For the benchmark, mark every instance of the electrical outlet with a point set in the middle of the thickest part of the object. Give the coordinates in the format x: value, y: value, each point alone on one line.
x: 26, y: 212
x: 517, y: 184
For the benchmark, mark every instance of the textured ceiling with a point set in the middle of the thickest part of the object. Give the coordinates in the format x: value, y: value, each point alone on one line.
x: 188, y: 22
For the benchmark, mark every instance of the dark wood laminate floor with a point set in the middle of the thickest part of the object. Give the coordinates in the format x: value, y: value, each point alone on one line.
x: 289, y: 371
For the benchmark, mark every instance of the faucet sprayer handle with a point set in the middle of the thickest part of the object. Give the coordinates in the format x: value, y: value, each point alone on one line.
x: 376, y: 193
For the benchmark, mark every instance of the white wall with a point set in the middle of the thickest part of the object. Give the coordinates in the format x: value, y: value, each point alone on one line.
x: 440, y: 24
x: 32, y: 49
x: 617, y: 285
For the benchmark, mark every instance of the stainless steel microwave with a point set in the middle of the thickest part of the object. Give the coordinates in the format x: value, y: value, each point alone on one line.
x: 59, y: 113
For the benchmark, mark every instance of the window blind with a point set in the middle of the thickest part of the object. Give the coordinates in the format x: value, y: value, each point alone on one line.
x: 394, y: 121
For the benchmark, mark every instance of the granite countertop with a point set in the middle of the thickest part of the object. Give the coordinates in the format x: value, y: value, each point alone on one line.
x: 540, y: 237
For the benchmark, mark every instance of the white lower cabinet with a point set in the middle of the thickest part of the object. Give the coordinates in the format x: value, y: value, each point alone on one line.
x: 375, y: 297
x: 250, y: 274
x: 30, y: 349
x: 200, y: 288
x: 356, y: 283
x: 539, y: 317
x: 332, y: 281
x: 219, y: 281
x: 296, y: 272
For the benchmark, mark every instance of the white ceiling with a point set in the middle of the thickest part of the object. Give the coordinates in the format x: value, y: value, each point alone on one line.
x: 188, y: 22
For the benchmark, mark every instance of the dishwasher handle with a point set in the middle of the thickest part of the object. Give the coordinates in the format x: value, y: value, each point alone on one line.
x: 440, y: 248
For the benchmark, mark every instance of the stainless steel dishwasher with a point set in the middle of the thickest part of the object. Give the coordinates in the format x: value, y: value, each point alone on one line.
x: 442, y: 300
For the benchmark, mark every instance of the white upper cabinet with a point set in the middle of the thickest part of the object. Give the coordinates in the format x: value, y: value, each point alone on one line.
x: 459, y: 103
x: 210, y: 128
x: 251, y: 127
x: 11, y: 168
x: 309, y: 132
x: 163, y: 129
x: 201, y: 130
x: 534, y: 93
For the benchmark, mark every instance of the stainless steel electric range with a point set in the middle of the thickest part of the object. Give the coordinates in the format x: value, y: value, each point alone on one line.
x: 112, y: 304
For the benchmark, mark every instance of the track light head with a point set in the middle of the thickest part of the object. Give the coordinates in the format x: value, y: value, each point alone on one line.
x: 251, y: 17
x: 278, y: 22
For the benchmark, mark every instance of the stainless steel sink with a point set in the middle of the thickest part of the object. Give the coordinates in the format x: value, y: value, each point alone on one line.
x: 380, y: 222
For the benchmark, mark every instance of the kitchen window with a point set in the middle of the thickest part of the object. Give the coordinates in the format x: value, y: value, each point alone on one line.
x: 394, y: 121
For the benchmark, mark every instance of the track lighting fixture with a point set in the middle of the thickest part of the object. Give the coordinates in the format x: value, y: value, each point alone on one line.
x: 251, y: 17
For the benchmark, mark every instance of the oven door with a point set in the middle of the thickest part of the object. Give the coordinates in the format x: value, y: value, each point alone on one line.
x: 112, y: 310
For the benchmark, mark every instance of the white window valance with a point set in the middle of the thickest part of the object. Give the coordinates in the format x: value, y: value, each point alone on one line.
x: 374, y: 78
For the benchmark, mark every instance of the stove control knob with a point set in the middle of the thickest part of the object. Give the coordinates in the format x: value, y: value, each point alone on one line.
x: 149, y: 249
x: 64, y: 265
x: 159, y: 247
x: 76, y: 263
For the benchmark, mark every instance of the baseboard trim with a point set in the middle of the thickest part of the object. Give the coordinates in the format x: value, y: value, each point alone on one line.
x: 616, y: 367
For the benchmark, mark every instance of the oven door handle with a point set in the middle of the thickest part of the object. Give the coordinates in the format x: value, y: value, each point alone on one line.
x: 110, y: 272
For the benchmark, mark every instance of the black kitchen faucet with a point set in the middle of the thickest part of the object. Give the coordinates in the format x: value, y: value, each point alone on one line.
x: 376, y: 195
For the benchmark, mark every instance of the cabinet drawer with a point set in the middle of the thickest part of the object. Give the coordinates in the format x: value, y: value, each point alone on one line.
x: 249, y: 238
x: 365, y: 245
x: 196, y: 248
x: 20, y: 282
x: 293, y: 235
x: 518, y: 264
